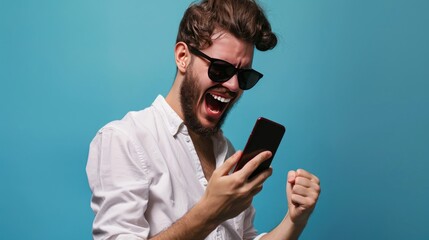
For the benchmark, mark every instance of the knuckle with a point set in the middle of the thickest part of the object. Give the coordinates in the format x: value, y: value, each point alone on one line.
x: 297, y: 188
x: 311, y: 201
x: 300, y: 180
x: 243, y: 193
x: 316, y: 179
x: 317, y: 188
x: 255, y: 163
x: 238, y: 181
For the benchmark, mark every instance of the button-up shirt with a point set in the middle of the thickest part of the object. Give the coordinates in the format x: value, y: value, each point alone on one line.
x: 145, y: 174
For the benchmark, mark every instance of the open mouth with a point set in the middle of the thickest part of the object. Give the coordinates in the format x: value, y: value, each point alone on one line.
x: 216, y: 104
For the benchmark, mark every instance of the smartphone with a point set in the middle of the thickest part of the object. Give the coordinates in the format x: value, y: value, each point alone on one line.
x: 266, y: 135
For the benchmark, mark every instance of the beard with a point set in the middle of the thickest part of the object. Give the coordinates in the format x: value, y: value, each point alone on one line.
x: 189, y: 97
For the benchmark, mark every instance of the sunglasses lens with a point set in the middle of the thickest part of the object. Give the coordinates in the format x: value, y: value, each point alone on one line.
x: 220, y: 71
x: 248, y: 78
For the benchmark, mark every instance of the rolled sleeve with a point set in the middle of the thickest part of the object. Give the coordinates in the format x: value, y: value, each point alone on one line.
x: 250, y: 232
x: 116, y: 176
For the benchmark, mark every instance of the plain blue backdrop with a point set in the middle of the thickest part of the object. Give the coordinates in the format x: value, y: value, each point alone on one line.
x: 349, y: 79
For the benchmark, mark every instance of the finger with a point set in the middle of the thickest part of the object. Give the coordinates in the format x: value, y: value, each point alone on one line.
x: 251, y: 166
x: 289, y: 183
x: 305, y: 202
x: 261, y: 177
x: 229, y: 164
x: 305, y: 182
x: 291, y: 175
x: 300, y: 190
x: 306, y: 174
x: 305, y: 192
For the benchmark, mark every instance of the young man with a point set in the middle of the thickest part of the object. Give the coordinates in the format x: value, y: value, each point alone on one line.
x: 164, y: 172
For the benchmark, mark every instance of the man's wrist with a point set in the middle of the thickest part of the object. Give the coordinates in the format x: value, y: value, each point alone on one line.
x: 202, y: 212
x: 295, y: 226
x: 201, y: 219
x: 301, y: 223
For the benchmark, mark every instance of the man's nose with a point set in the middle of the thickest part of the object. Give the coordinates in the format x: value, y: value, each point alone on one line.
x: 232, y: 84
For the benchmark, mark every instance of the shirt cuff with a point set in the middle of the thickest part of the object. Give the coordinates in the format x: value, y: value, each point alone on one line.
x: 259, y: 236
x: 127, y: 237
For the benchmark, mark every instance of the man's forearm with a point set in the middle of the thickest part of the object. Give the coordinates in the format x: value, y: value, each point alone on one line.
x: 286, y: 230
x: 195, y: 224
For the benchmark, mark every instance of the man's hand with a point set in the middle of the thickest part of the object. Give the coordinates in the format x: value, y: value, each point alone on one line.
x: 227, y: 195
x: 303, y: 189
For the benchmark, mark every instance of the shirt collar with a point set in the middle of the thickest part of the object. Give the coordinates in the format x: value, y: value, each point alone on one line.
x: 175, y: 124
x: 171, y: 119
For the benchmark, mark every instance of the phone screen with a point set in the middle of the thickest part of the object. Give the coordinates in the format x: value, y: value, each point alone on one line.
x: 266, y: 135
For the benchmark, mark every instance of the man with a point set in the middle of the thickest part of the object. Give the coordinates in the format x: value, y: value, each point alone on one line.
x: 164, y: 172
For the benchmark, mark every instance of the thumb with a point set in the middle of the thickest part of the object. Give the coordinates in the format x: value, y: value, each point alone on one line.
x: 230, y: 163
x: 289, y: 184
x: 291, y: 177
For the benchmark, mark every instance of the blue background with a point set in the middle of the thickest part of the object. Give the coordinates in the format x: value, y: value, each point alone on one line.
x: 348, y: 78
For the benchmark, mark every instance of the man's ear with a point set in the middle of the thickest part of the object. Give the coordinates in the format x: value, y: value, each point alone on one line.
x: 182, y: 56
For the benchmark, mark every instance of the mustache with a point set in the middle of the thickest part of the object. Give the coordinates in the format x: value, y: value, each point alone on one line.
x: 223, y: 90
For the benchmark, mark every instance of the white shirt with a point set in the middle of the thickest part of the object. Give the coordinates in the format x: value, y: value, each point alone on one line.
x: 145, y: 174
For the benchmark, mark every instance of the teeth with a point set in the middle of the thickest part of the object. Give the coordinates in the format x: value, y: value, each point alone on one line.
x: 221, y: 99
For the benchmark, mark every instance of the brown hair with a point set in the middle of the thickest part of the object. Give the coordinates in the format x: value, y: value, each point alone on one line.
x: 245, y: 19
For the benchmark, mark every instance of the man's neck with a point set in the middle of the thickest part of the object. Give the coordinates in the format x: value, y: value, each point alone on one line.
x: 204, y: 147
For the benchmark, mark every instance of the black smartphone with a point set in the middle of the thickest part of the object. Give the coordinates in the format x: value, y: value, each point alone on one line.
x: 266, y: 135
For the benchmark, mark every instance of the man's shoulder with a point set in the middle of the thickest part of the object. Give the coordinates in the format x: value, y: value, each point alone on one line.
x: 133, y: 122
x: 148, y: 124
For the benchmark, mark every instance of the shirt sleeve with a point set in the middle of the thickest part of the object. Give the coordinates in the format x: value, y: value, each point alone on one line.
x: 250, y: 232
x: 119, y: 186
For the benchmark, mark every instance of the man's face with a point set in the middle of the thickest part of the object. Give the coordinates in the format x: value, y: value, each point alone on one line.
x: 205, y: 103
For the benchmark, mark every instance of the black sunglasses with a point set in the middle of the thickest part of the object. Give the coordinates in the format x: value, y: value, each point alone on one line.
x: 221, y: 71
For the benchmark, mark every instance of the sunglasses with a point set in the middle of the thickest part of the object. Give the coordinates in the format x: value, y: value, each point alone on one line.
x: 221, y: 71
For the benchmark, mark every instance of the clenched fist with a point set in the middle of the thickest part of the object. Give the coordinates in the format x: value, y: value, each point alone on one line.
x: 303, y: 190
